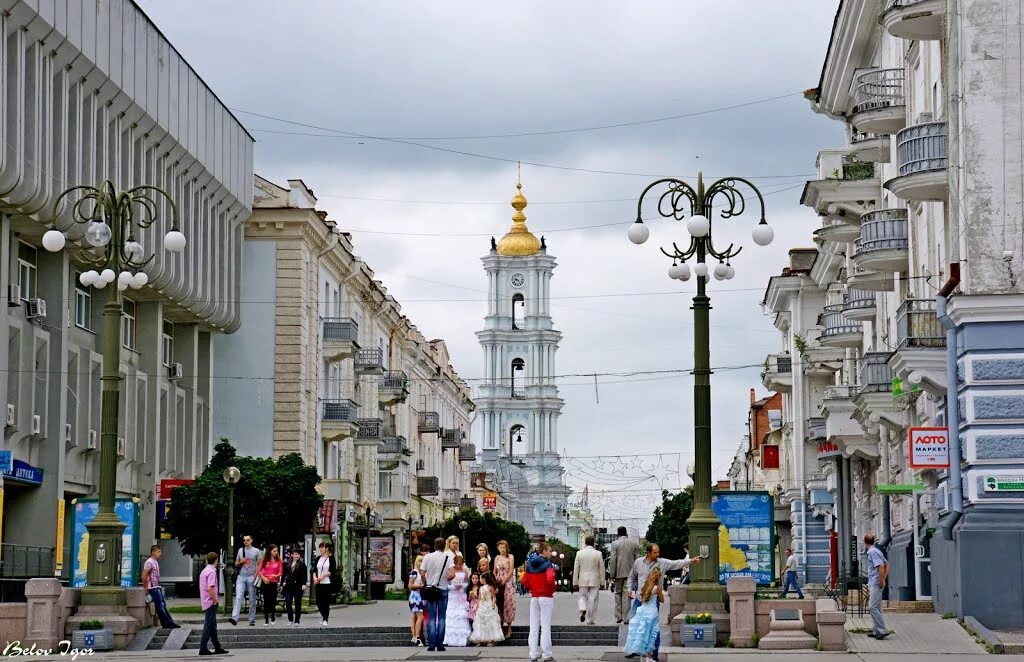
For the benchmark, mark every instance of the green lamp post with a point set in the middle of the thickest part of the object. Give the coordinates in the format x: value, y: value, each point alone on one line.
x: 114, y: 223
x: 678, y: 201
x: 231, y: 476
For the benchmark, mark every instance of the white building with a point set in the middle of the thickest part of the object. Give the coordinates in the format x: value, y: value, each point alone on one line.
x: 326, y: 366
x: 921, y: 211
x: 95, y: 92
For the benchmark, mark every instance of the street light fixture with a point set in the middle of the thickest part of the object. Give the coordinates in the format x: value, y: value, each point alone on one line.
x: 463, y: 525
x: 369, y: 505
x: 680, y: 201
x: 114, y: 221
x: 561, y: 568
x: 231, y: 476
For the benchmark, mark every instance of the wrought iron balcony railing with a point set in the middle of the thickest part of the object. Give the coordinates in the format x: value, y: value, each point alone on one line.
x: 430, y: 421
x: 840, y: 392
x: 427, y: 486
x: 881, y: 88
x: 370, y: 358
x: 450, y: 497
x: 858, y: 300
x: 922, y: 148
x: 918, y: 326
x: 834, y: 324
x: 467, y: 503
x: 340, y: 410
x: 340, y: 329
x: 370, y: 428
x: 393, y: 446
x: 875, y: 374
x: 783, y: 363
x: 394, y: 380
x: 882, y: 229
x: 467, y: 452
x: 451, y: 439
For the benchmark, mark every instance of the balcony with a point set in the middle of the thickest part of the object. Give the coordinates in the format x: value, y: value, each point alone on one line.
x: 874, y: 402
x: 778, y: 373
x: 25, y: 562
x: 859, y: 305
x: 879, y: 102
x: 837, y: 331
x: 918, y: 326
x: 845, y: 185
x: 921, y: 159
x: 873, y: 147
x: 394, y: 448
x: 451, y: 439
x: 883, y: 245
x: 840, y: 228
x: 916, y: 20
x: 370, y: 431
x: 875, y: 375
x: 427, y: 486
x: 841, y: 429
x: 815, y: 428
x: 369, y: 361
x: 450, y: 498
x: 430, y: 422
x: 340, y: 338
x: 338, y: 419
x: 393, y: 387
x: 873, y: 281
x: 467, y: 503
x: 920, y: 358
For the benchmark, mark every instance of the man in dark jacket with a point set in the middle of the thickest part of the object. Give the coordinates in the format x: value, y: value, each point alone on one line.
x: 539, y: 579
x: 296, y: 578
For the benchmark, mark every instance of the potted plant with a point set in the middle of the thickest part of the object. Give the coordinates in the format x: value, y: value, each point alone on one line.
x: 93, y: 635
x: 699, y: 631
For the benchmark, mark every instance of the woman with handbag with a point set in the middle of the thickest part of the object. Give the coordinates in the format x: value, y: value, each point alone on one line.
x: 269, y: 575
x: 323, y: 576
x: 295, y: 580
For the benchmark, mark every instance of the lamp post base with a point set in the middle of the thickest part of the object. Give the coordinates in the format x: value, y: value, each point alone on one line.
x: 104, y: 561
x: 704, y: 586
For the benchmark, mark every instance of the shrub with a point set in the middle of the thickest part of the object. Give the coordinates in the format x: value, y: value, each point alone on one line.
x: 91, y: 625
x: 701, y: 618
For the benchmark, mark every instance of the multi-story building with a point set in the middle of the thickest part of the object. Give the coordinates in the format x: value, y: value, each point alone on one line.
x: 96, y: 92
x: 916, y: 287
x: 327, y: 366
x: 756, y: 465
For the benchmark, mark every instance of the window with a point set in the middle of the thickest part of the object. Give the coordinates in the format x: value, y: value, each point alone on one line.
x: 83, y: 305
x: 27, y: 271
x: 128, y: 324
x: 167, y: 344
x: 518, y: 310
x: 774, y: 419
x: 518, y: 370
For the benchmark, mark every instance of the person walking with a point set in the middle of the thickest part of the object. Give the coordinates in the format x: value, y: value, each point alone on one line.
x: 878, y: 571
x: 504, y: 574
x: 588, y: 578
x: 435, y: 594
x: 791, y: 573
x: 642, y: 567
x: 457, y: 628
x: 539, y: 579
x: 645, y: 626
x: 247, y: 561
x: 208, y: 600
x: 487, y: 624
x: 624, y: 554
x: 151, y: 581
x: 323, y: 578
x: 414, y: 585
x: 270, y: 572
x: 296, y: 577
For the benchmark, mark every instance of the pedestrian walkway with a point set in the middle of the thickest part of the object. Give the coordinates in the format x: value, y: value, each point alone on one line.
x: 913, y: 633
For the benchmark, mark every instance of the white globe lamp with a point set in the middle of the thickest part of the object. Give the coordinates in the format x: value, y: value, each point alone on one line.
x: 174, y: 241
x: 124, y: 278
x: 98, y: 234
x: 675, y: 271
x: 763, y: 233
x: 701, y: 270
x: 108, y: 275
x: 721, y: 271
x: 140, y: 280
x: 732, y: 272
x: 684, y: 272
x: 698, y: 226
x: 638, y: 232
x: 88, y: 278
x: 133, y: 250
x: 53, y: 241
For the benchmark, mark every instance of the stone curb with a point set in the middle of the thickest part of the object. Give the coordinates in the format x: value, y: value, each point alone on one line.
x: 975, y: 627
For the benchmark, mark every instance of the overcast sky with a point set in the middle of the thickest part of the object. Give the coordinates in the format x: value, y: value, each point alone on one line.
x: 423, y: 71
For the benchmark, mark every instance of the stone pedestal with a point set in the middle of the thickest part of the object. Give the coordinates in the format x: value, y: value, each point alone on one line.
x: 831, y: 626
x: 43, y: 613
x: 116, y: 619
x: 742, y: 623
x: 787, y: 634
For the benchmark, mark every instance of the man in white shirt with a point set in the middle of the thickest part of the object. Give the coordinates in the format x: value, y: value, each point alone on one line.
x: 434, y: 569
x: 588, y: 578
x: 638, y: 576
x: 791, y: 573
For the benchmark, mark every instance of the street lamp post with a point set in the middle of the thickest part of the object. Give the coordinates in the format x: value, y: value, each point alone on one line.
x: 411, y: 552
x: 463, y: 525
x: 677, y: 202
x: 366, y: 548
x: 114, y: 223
x: 231, y: 476
x: 561, y: 569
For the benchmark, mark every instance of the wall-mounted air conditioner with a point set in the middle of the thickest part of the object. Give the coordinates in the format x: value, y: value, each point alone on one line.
x: 122, y: 447
x: 421, y: 465
x: 36, y: 309
x: 93, y: 441
x: 11, y: 420
x: 37, y: 424
x: 67, y: 432
x: 174, y: 371
x: 13, y: 294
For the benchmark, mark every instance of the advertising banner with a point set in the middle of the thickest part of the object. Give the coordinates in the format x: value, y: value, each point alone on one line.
x: 84, y: 511
x: 326, y: 517
x: 382, y: 559
x: 745, y: 538
x: 490, y: 502
x: 59, y: 554
x: 929, y: 448
x: 168, y: 485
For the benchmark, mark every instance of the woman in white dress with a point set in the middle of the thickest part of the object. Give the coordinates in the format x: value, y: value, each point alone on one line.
x: 457, y: 631
x: 487, y: 624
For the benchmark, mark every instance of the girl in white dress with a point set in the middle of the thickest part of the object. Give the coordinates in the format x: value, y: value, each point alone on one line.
x: 457, y: 631
x: 487, y: 625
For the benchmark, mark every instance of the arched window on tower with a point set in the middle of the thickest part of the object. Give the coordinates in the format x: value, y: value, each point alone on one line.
x: 518, y: 378
x: 518, y: 311
x: 517, y: 441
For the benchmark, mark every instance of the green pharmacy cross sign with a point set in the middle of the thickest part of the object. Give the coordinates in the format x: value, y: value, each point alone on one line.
x: 1004, y: 483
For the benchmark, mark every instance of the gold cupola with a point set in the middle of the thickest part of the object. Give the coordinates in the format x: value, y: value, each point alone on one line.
x: 519, y: 241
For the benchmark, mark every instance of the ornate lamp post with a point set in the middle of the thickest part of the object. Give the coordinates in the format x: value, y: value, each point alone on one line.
x: 231, y: 476
x: 366, y: 546
x: 463, y: 525
x: 114, y: 222
x: 677, y: 202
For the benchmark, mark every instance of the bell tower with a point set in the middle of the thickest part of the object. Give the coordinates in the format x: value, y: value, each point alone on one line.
x: 518, y: 402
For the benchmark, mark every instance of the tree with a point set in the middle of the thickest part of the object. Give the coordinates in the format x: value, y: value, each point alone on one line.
x: 483, y: 528
x: 275, y: 502
x: 568, y: 563
x: 668, y: 527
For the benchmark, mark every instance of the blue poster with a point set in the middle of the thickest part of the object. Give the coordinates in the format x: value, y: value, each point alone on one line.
x: 746, y: 544
x: 85, y: 510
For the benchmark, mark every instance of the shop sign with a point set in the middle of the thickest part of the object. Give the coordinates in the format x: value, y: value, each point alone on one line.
x: 490, y: 502
x: 1004, y: 483
x: 326, y: 518
x: 827, y: 449
x: 23, y: 472
x: 929, y: 448
x: 168, y: 485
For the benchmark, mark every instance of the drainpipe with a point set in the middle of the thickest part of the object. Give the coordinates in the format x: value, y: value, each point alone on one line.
x: 956, y: 493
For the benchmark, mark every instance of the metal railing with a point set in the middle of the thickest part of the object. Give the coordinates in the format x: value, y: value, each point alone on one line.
x: 467, y: 503
x: 816, y: 427
x: 839, y: 392
x: 26, y: 561
x: 921, y: 148
x: 394, y: 380
x: 427, y: 486
x: 883, y: 229
x: 875, y: 375
x: 467, y: 452
x: 858, y: 300
x: 393, y: 446
x: 834, y: 324
x: 881, y: 88
x: 780, y: 363
x: 918, y: 326
x: 430, y: 421
x: 450, y: 497
x: 370, y: 428
x: 369, y: 358
x: 340, y: 410
x: 892, y: 4
x: 342, y: 329
x: 451, y: 439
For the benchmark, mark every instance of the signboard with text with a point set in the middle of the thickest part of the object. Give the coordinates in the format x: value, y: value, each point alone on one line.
x: 827, y: 449
x: 168, y: 485
x: 83, y: 512
x: 746, y: 536
x: 1004, y: 483
x: 929, y: 448
x: 326, y: 517
x: 490, y: 502
x: 382, y: 559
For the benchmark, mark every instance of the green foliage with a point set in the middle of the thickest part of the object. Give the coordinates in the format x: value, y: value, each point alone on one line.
x: 668, y: 527
x: 483, y: 528
x: 854, y: 170
x: 391, y: 594
x: 801, y: 344
x: 698, y: 619
x: 275, y: 502
x: 569, y: 562
x: 91, y: 625
x: 754, y: 639
x: 948, y: 615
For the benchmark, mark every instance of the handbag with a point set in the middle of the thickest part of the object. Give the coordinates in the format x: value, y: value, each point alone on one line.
x: 433, y: 592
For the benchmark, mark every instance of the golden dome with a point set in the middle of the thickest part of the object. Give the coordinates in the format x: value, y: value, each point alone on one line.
x: 519, y: 241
